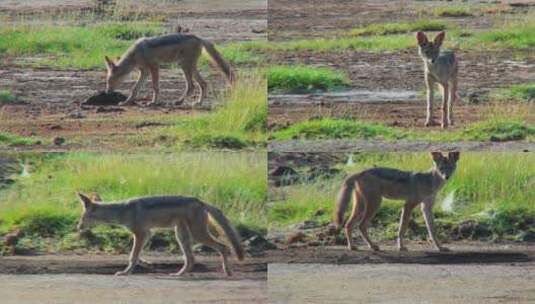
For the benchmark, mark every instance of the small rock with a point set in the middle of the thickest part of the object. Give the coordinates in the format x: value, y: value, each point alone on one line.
x: 296, y: 238
x: 259, y: 243
x: 58, y: 141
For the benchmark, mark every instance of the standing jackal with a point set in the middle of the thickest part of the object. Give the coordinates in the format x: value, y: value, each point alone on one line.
x: 370, y: 186
x: 440, y: 67
x: 146, y: 54
x: 189, y: 217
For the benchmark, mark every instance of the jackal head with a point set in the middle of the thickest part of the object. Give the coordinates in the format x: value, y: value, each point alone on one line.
x: 445, y: 166
x: 88, y: 218
x: 429, y: 50
x: 113, y: 77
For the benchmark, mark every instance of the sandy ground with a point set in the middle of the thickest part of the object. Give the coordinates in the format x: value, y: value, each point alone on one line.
x: 401, y: 283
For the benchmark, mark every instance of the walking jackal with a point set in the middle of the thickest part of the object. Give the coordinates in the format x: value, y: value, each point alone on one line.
x: 189, y: 216
x: 440, y: 67
x: 369, y: 187
x: 146, y: 54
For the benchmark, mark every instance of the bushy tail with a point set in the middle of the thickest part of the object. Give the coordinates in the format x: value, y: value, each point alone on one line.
x: 219, y: 218
x: 221, y: 63
x: 344, y: 196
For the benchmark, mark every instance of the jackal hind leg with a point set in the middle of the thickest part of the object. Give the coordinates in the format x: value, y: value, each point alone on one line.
x: 155, y: 76
x: 203, y: 236
x: 183, y: 238
x: 139, y: 241
x: 371, y: 211
x: 188, y: 69
x: 356, y: 217
x: 430, y: 86
x: 445, y: 98
x: 202, y: 85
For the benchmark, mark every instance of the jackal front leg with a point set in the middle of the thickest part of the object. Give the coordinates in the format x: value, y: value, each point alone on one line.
x: 429, y: 83
x: 139, y: 241
x: 427, y: 210
x: 135, y: 89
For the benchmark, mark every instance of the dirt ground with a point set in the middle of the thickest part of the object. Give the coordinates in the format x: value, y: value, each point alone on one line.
x: 389, y: 73
x: 89, y: 279
x: 49, y: 100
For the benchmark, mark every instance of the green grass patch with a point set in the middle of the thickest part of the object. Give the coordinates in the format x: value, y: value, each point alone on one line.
x: 497, y: 130
x: 495, y: 189
x: 240, y: 122
x: 84, y: 47
x: 398, y: 28
x: 453, y: 11
x: 305, y: 79
x: 42, y: 204
x: 9, y: 139
x: 327, y: 128
x: 520, y: 92
x: 6, y: 97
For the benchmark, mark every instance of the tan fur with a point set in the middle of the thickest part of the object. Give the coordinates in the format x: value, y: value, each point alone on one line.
x: 189, y: 217
x: 440, y: 68
x: 369, y: 187
x: 147, y: 54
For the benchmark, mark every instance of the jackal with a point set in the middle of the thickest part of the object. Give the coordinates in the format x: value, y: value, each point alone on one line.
x: 369, y: 187
x: 189, y: 217
x: 440, y: 67
x: 146, y: 54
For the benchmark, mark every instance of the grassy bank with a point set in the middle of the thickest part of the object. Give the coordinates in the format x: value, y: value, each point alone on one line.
x: 9, y: 139
x: 41, y: 203
x: 492, y: 129
x: 84, y: 46
x: 495, y: 190
x: 239, y: 123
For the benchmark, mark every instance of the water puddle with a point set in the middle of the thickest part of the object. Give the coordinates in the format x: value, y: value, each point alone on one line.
x: 352, y: 96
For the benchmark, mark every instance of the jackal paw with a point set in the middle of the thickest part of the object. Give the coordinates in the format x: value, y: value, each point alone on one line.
x: 128, y: 102
x: 352, y: 248
x: 122, y: 273
x: 430, y: 123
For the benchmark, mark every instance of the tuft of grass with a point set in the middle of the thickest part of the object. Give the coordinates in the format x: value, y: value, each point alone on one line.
x: 398, y: 28
x: 9, y: 139
x: 495, y: 189
x: 519, y: 93
x: 498, y: 130
x: 43, y: 203
x: 453, y: 11
x: 305, y: 79
x: 238, y: 123
x: 6, y: 97
x: 327, y: 128
x: 513, y: 36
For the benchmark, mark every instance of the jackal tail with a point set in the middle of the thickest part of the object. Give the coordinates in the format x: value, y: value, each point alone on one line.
x: 222, y: 222
x: 343, y: 199
x: 223, y: 65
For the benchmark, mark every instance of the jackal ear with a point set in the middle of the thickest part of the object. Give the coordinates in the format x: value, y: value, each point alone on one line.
x: 440, y: 38
x: 436, y: 156
x: 96, y: 197
x: 422, y: 38
x: 86, y: 201
x: 109, y: 63
x: 454, y: 155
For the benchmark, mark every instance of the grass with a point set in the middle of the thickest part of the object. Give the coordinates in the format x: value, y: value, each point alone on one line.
x: 84, y: 47
x: 397, y: 28
x: 519, y: 93
x: 9, y: 139
x: 240, y: 122
x: 491, y: 188
x: 493, y: 129
x: 43, y: 204
x: 6, y: 97
x: 453, y: 11
x: 305, y: 79
x: 327, y: 128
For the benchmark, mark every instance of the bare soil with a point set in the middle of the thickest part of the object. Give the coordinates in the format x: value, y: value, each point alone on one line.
x: 390, y: 72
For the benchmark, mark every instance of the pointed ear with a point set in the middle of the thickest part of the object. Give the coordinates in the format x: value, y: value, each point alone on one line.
x: 436, y: 156
x: 109, y: 63
x: 96, y: 197
x: 422, y: 38
x: 440, y: 38
x: 454, y: 155
x: 86, y: 201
